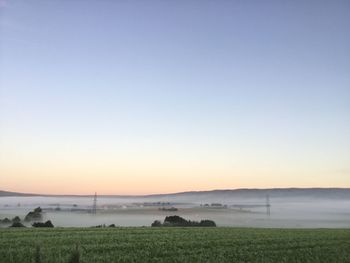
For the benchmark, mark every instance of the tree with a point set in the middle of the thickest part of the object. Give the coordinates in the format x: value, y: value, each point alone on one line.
x: 38, y: 210
x: 176, y: 221
x: 40, y: 224
x: 34, y: 215
x: 179, y: 221
x: 209, y: 223
x: 156, y: 223
x: 5, y: 221
x: 16, y: 219
x: 17, y: 224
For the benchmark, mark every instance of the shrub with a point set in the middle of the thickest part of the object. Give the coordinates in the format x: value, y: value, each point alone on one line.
x: 176, y: 220
x: 16, y: 219
x: 156, y: 223
x: 5, y: 221
x: 17, y: 224
x: 38, y: 210
x: 209, y: 223
x: 34, y: 215
x: 179, y: 221
x: 40, y: 224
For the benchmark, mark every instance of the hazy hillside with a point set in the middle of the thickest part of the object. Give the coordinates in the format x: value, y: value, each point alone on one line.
x: 329, y: 193
x: 6, y: 193
x: 274, y: 192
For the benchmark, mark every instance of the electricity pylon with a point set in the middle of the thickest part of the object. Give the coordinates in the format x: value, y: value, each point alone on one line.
x: 94, y: 206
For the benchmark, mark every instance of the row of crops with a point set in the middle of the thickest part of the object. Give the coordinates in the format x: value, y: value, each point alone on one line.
x: 174, y: 245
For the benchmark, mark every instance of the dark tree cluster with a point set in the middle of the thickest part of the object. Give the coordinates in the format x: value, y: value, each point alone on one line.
x: 14, y: 222
x: 5, y: 221
x: 17, y: 224
x: 34, y: 215
x: 156, y: 223
x: 104, y: 225
x: 16, y: 219
x: 179, y: 221
x: 31, y: 216
x: 171, y: 209
x: 40, y: 224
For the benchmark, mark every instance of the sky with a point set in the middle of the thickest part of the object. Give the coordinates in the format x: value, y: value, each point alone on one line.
x: 141, y: 97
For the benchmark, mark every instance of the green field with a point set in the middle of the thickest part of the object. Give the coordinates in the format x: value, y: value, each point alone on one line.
x: 176, y: 245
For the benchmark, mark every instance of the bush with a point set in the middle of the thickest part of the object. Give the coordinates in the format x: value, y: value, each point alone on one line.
x: 208, y: 223
x: 176, y: 221
x: 16, y: 219
x: 38, y: 210
x: 5, y: 221
x: 34, y: 215
x: 179, y: 221
x: 156, y: 223
x: 40, y: 224
x: 17, y: 224
x: 99, y: 226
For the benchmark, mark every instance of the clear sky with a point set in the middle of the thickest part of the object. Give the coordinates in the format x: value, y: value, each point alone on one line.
x: 137, y: 97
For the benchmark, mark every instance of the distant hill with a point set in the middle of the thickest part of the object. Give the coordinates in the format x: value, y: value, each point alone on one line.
x: 227, y: 194
x: 328, y: 193
x: 6, y: 193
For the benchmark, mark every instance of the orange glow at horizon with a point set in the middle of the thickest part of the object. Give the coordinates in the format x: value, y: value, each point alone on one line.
x: 140, y: 179
x: 149, y: 168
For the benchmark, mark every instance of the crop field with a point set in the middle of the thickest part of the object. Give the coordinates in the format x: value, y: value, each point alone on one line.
x: 175, y: 245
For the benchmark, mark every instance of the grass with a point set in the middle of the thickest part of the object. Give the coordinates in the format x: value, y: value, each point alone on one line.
x: 175, y: 245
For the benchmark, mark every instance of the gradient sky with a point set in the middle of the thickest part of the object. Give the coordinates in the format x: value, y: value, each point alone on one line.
x: 137, y: 97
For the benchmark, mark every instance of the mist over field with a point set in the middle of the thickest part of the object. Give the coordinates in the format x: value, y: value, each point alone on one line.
x: 295, y: 208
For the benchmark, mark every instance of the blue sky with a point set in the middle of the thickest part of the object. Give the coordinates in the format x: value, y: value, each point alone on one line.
x: 226, y: 84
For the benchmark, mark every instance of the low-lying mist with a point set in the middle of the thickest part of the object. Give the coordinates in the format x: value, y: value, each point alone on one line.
x: 285, y: 212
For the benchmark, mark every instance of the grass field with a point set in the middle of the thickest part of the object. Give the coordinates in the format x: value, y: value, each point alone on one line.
x: 176, y: 245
